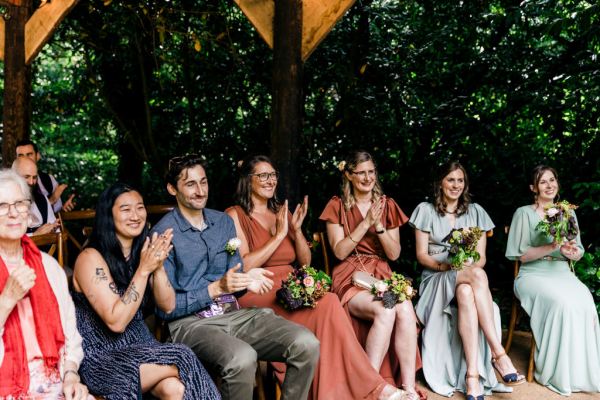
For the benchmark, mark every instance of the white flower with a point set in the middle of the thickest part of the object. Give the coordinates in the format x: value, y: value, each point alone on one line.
x: 232, y: 245
x: 408, y: 290
x: 552, y: 211
x: 380, y: 286
x: 468, y: 262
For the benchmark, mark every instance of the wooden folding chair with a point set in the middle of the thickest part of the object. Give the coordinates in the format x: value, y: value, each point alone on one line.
x: 56, y: 243
x: 321, y: 238
x: 515, y: 314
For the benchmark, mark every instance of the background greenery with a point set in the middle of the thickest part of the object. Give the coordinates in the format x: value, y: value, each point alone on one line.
x: 499, y: 85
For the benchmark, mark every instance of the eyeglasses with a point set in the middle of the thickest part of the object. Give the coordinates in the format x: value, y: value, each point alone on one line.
x: 265, y: 176
x: 363, y: 174
x: 22, y: 206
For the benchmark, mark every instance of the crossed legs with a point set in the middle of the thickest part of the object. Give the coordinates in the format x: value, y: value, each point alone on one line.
x: 475, y: 310
x: 162, y: 381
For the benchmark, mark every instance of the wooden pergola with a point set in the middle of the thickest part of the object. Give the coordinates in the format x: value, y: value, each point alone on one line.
x: 293, y: 28
x: 23, y: 33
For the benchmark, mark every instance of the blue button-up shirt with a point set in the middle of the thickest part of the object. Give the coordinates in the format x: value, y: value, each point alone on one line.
x: 197, y: 259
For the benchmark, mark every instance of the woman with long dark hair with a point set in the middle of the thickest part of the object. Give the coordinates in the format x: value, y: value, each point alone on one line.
x: 271, y: 238
x: 564, y: 320
x: 363, y: 229
x: 461, y: 334
x: 119, y: 270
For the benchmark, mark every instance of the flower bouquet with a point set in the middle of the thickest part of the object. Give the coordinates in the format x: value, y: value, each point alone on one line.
x: 393, y: 290
x: 303, y: 287
x: 463, y: 246
x: 559, y: 222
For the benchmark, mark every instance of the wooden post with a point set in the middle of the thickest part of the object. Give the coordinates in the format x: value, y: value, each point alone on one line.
x: 286, y: 114
x: 17, y: 81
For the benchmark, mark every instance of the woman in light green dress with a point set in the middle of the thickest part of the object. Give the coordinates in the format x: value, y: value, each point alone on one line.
x: 564, y: 320
x: 461, y: 335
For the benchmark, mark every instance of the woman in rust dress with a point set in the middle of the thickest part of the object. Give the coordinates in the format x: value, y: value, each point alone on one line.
x: 272, y: 238
x: 363, y: 231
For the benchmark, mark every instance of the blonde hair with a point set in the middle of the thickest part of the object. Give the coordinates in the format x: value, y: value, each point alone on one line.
x: 351, y: 162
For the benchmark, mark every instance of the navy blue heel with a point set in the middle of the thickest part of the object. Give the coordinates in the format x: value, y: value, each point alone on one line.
x: 512, y: 379
x: 470, y: 396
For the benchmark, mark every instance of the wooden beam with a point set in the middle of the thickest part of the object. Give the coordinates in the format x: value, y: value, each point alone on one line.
x: 2, y: 36
x: 42, y: 24
x: 17, y: 84
x: 286, y: 114
x: 318, y: 18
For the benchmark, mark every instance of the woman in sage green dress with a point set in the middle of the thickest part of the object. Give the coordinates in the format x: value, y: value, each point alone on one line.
x: 458, y: 303
x: 564, y: 320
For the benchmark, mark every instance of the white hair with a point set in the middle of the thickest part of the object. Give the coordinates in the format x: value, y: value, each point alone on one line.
x: 8, y: 175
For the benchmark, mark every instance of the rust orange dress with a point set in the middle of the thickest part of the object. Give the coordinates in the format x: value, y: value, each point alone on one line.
x: 371, y: 258
x: 344, y: 371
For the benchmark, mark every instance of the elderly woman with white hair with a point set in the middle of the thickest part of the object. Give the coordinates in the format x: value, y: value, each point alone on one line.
x: 40, y: 350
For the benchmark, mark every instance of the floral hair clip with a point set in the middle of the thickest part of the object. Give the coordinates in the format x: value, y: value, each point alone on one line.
x: 342, y: 166
x: 240, y: 163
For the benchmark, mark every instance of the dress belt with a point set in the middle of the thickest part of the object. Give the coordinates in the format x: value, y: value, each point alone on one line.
x: 552, y: 258
x: 438, y: 251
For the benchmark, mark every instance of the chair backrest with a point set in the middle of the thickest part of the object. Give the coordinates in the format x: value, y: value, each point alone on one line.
x: 321, y: 238
x: 55, y: 241
x: 516, y: 263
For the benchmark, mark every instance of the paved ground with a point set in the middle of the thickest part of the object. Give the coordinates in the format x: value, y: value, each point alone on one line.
x: 528, y: 391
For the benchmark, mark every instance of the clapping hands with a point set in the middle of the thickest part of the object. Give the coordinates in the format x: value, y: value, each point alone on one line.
x: 261, y: 282
x: 299, y: 214
x: 375, y: 212
x: 155, y: 250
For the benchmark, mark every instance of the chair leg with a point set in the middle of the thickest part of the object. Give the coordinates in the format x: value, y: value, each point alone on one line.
x: 511, y: 325
x: 260, y: 386
x: 531, y: 365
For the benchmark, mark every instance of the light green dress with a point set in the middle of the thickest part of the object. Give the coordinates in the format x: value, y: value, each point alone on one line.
x: 444, y: 364
x: 564, y: 320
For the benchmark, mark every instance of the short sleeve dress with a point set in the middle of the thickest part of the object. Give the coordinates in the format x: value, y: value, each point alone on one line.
x: 343, y: 371
x: 564, y: 320
x: 371, y: 258
x: 444, y: 363
x: 111, y: 363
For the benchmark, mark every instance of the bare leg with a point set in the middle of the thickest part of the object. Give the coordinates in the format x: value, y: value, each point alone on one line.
x: 162, y: 381
x: 378, y: 341
x: 468, y: 329
x: 405, y: 343
x: 477, y: 279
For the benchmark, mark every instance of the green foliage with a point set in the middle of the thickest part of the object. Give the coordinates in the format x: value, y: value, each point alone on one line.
x: 587, y: 270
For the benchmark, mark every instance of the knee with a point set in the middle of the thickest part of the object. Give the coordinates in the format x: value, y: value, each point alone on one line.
x: 173, y: 388
x: 464, y: 294
x: 479, y: 277
x: 385, y: 316
x: 405, y: 312
x: 241, y: 362
x: 305, y: 346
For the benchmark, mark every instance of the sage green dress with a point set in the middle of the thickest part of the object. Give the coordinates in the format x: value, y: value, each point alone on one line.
x: 444, y: 364
x: 564, y: 320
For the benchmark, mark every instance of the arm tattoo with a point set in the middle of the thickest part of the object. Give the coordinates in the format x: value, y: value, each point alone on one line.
x: 113, y: 288
x: 130, y: 295
x: 100, y: 275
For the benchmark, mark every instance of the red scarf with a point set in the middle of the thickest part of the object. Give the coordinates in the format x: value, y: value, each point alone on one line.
x: 14, y: 371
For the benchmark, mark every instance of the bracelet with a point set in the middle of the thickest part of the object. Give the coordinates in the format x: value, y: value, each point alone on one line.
x: 380, y: 232
x: 70, y: 371
x: 349, y: 236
